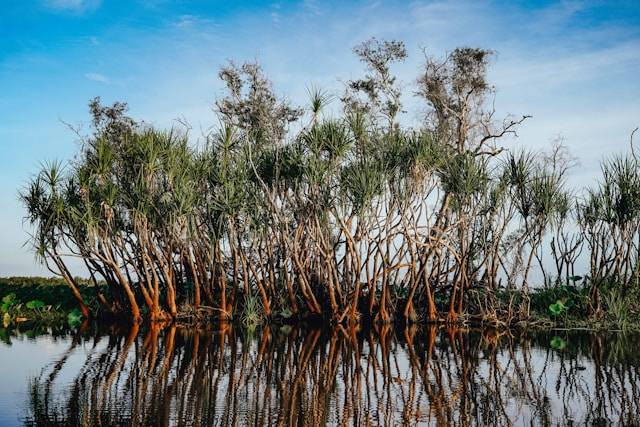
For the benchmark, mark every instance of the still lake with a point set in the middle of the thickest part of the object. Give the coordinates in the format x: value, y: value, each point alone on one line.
x: 311, y: 377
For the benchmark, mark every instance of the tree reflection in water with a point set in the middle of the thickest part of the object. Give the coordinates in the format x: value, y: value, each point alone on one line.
x: 167, y: 375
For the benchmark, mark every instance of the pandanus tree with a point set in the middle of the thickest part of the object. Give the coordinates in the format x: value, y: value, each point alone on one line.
x: 48, y: 214
x: 537, y: 190
x: 142, y: 190
x: 456, y: 91
x: 609, y: 218
x: 219, y: 221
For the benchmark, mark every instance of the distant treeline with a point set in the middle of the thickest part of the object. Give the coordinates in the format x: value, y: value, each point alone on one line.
x: 353, y: 215
x: 41, y: 281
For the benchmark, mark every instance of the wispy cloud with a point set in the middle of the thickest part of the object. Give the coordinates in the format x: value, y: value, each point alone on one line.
x: 195, y: 23
x: 276, y: 13
x: 312, y: 7
x: 186, y: 21
x: 75, y: 6
x: 97, y: 77
x: 582, y: 68
x: 555, y: 16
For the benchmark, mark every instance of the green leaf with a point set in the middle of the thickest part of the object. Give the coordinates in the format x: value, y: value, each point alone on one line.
x: 557, y: 308
x: 74, y: 318
x: 9, y: 299
x: 558, y: 343
x: 35, y: 304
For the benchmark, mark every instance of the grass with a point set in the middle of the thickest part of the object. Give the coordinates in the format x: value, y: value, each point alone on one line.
x: 620, y: 308
x: 253, y: 314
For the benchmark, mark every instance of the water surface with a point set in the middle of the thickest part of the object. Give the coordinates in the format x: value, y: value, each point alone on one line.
x: 311, y: 377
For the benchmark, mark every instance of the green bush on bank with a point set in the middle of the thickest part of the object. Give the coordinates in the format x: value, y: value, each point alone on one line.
x: 39, y: 298
x: 573, y: 305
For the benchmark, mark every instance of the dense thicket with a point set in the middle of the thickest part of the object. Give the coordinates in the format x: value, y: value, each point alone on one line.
x: 353, y: 214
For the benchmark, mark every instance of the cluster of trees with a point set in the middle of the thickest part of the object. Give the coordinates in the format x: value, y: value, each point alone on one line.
x: 353, y: 214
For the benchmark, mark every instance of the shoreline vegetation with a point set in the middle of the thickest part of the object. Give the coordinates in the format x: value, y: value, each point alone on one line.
x: 40, y: 301
x: 340, y: 211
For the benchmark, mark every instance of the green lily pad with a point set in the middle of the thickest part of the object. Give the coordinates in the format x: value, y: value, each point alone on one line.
x: 557, y: 308
x: 35, y: 304
x: 558, y: 343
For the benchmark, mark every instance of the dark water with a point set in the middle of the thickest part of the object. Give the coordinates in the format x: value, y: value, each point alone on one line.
x: 313, y: 377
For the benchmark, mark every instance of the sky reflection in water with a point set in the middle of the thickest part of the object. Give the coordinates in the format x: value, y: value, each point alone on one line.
x: 283, y: 376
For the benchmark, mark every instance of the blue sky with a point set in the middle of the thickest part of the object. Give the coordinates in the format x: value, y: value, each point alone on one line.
x: 572, y: 65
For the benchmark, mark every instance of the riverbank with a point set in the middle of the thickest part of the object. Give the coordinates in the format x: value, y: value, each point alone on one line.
x: 49, y: 300
x: 42, y: 300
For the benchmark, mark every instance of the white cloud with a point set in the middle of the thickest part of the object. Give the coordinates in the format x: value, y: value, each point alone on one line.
x: 76, y: 6
x: 97, y: 77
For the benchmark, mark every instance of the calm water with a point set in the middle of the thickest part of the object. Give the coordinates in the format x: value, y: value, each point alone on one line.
x: 311, y: 377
